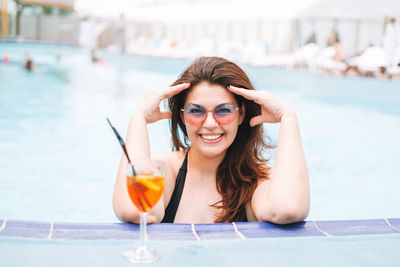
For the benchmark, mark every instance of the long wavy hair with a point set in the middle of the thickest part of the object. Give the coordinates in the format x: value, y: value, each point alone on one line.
x: 243, y: 165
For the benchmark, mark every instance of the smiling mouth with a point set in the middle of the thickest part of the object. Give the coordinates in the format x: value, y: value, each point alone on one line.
x: 211, y: 138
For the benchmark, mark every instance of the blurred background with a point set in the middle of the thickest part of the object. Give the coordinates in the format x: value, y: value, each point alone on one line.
x: 284, y: 33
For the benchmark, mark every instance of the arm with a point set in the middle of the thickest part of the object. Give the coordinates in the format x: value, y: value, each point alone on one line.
x: 284, y: 198
x: 138, y: 145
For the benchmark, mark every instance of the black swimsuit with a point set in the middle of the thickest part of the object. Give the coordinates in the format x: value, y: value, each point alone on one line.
x: 173, y: 204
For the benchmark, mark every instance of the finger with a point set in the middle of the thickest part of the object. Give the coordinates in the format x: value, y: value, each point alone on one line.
x: 165, y: 115
x: 249, y: 94
x: 256, y: 120
x: 173, y: 90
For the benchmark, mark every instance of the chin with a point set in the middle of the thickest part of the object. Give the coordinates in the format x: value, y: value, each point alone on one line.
x: 213, y: 149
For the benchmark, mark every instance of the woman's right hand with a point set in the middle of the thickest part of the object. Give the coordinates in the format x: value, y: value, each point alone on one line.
x: 150, y: 107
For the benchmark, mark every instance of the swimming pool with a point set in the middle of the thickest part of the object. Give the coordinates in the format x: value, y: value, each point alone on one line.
x: 57, y: 146
x: 58, y: 162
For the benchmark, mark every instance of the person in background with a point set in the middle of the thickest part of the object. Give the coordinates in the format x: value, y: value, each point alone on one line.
x: 58, y: 54
x: 391, y: 41
x: 340, y: 52
x: 332, y: 59
x: 94, y: 57
x: 120, y: 33
x: 29, y: 64
x: 89, y: 32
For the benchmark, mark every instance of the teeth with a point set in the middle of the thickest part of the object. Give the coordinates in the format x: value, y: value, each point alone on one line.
x: 211, y: 137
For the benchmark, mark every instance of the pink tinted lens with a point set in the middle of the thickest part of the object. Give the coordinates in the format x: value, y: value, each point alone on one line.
x: 193, y: 120
x: 225, y: 113
x: 226, y: 119
x: 195, y: 114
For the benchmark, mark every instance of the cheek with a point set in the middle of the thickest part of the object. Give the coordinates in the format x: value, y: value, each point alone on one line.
x: 231, y: 129
x: 191, y: 130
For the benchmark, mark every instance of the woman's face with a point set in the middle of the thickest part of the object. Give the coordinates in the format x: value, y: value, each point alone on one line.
x: 211, y: 138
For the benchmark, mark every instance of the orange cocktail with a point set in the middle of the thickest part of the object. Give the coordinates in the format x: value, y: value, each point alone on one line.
x: 145, y: 182
x: 145, y: 179
x: 145, y: 190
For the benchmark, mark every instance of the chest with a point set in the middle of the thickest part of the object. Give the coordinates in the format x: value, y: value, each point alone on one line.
x: 199, y: 194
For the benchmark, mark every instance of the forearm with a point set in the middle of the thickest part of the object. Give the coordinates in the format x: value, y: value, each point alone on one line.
x: 289, y: 184
x: 137, y: 139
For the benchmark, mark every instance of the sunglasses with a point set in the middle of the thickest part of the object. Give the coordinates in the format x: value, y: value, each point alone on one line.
x: 224, y: 114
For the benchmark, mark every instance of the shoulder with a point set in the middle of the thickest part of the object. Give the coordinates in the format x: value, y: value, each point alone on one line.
x: 173, y: 159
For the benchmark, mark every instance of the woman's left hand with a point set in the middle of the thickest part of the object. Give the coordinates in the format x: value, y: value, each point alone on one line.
x: 272, y: 108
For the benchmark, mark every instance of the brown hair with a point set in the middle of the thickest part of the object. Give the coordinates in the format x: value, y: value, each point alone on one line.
x: 243, y: 165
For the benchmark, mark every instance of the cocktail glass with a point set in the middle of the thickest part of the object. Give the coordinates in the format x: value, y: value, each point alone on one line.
x: 145, y: 183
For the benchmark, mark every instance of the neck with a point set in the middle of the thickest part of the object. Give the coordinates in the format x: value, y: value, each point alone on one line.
x: 203, y: 164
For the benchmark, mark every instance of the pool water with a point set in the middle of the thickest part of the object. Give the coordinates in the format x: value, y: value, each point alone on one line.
x: 59, y: 158
x: 344, y: 251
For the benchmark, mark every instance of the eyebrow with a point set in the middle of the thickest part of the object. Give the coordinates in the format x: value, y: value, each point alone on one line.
x: 196, y: 105
x: 201, y: 106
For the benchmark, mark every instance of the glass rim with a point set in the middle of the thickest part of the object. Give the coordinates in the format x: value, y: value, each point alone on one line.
x: 143, y: 165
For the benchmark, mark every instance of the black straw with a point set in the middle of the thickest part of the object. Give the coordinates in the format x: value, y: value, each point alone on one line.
x: 121, y: 141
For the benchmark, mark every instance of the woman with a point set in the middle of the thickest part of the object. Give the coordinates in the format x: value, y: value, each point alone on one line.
x: 217, y: 172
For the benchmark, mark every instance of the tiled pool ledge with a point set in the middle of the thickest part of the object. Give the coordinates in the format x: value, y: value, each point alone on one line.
x: 107, y: 231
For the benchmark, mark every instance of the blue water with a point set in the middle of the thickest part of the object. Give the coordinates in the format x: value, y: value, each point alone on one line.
x: 322, y: 251
x: 58, y: 157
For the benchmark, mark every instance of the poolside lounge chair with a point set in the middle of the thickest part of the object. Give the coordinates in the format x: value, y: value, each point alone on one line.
x: 324, y: 61
x: 371, y: 62
x: 305, y: 56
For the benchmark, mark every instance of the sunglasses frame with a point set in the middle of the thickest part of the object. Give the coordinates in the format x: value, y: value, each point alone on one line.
x: 213, y: 113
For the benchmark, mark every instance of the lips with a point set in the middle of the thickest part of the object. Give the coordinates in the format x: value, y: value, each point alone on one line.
x: 211, y: 138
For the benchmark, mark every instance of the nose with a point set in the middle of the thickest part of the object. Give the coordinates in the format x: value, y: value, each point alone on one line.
x: 210, y: 121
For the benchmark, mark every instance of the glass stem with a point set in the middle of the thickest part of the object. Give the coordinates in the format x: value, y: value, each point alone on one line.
x: 143, y: 229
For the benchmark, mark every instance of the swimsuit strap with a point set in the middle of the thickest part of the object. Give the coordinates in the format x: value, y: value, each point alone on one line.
x: 173, y: 204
